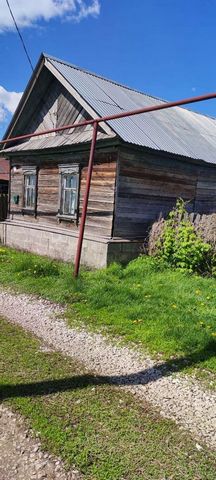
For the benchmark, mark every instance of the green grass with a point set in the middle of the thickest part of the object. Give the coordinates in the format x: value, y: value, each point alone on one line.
x: 168, y: 312
x: 90, y: 423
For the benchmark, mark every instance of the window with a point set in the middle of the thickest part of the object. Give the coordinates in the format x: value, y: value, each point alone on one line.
x: 69, y: 186
x: 30, y: 188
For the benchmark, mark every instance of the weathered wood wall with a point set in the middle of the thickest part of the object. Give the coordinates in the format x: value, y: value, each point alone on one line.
x: 57, y: 107
x: 99, y: 220
x: 146, y: 186
x: 206, y: 190
x: 149, y: 184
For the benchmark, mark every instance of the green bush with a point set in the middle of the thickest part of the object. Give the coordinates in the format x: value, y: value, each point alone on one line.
x: 181, y: 246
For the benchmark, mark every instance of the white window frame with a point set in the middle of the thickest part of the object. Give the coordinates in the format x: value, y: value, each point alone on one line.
x: 68, y: 170
x: 30, y: 171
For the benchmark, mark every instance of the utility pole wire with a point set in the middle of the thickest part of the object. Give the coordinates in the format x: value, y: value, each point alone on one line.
x: 20, y: 35
x: 24, y: 47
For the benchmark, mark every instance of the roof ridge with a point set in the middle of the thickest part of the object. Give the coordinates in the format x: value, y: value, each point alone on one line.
x: 93, y: 74
x: 51, y: 57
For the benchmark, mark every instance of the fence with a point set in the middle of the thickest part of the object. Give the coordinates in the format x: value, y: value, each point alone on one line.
x: 204, y: 224
x: 3, y: 206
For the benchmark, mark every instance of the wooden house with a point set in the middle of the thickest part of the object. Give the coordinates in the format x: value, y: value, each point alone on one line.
x: 142, y: 165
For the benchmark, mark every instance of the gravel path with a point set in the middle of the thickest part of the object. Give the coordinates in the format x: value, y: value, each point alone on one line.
x: 21, y: 455
x: 178, y: 398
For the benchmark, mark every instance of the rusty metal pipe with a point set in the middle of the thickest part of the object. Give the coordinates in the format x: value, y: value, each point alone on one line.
x: 161, y: 106
x: 85, y: 200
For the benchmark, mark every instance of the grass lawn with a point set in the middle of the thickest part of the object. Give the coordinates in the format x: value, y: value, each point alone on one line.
x: 92, y: 424
x: 168, y: 312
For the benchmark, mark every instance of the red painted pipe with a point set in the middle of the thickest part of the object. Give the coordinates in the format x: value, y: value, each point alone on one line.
x: 85, y: 200
x: 161, y: 106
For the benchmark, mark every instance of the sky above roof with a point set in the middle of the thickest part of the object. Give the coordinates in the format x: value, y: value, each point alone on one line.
x: 163, y: 47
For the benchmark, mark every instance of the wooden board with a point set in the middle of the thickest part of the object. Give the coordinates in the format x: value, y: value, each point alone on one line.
x: 99, y: 219
x: 148, y: 186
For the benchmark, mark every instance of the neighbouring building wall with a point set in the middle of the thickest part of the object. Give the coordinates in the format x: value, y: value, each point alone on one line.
x: 148, y: 185
x: 99, y: 220
x: 4, y: 170
x: 3, y: 187
x: 4, y: 175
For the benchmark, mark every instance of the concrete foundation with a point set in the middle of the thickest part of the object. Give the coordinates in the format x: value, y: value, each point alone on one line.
x: 61, y: 244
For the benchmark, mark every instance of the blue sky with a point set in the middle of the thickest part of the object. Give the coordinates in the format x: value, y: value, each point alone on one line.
x: 162, y: 47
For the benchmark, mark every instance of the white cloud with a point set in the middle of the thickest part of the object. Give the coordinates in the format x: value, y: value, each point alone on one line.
x: 8, y: 102
x: 84, y: 10
x: 27, y: 13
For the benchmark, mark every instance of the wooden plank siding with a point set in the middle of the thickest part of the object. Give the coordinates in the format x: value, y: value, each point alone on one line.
x: 149, y: 184
x: 130, y: 188
x: 206, y: 190
x: 56, y: 108
x: 16, y: 188
x: 99, y: 219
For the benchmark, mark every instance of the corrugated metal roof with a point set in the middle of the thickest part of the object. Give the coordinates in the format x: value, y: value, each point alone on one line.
x: 52, y: 141
x: 176, y: 130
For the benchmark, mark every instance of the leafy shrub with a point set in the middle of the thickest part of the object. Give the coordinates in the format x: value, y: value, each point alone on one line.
x: 181, y: 245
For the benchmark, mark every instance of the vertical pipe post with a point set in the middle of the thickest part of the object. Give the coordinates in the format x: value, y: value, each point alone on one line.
x: 85, y: 200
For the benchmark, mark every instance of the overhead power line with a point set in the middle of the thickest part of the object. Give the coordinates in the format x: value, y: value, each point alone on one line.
x: 24, y: 47
x: 20, y: 35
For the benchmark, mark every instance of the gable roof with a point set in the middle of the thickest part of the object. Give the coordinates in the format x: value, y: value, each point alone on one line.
x: 176, y: 130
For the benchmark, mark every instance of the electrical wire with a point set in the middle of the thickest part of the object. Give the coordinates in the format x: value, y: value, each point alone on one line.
x: 20, y: 35
x: 25, y: 48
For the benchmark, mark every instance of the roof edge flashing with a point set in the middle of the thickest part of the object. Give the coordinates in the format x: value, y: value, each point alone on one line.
x: 25, y: 96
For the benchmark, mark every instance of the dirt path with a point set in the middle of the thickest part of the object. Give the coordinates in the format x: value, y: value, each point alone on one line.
x: 21, y: 455
x: 177, y: 397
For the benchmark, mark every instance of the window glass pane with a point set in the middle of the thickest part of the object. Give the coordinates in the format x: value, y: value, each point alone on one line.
x: 73, y: 203
x: 32, y: 197
x: 69, y: 202
x: 32, y: 179
x: 27, y: 198
x: 30, y: 182
x: 69, y: 194
x: 70, y: 181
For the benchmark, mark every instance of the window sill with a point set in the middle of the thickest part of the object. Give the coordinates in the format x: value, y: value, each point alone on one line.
x: 67, y: 218
x: 28, y: 210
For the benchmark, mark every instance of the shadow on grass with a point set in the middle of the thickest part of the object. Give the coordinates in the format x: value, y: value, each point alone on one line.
x: 149, y: 375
